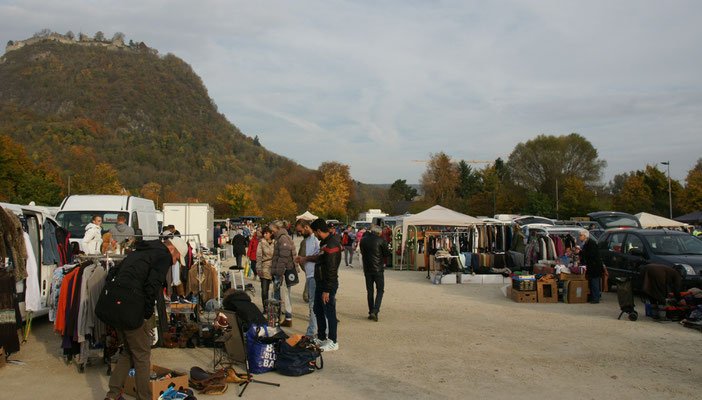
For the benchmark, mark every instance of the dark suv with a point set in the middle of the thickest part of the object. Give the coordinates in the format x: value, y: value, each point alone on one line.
x: 626, y: 251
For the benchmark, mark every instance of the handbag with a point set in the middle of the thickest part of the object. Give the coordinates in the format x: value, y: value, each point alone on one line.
x: 291, y: 277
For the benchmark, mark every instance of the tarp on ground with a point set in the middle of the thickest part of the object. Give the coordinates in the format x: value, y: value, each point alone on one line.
x: 654, y: 221
x: 307, y: 216
x: 691, y: 218
x: 437, y: 216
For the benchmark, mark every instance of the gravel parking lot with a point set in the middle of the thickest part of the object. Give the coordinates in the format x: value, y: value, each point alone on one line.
x: 447, y: 341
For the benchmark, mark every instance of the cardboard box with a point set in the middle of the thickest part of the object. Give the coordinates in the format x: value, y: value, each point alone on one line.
x: 449, y: 279
x: 572, y: 277
x: 575, y: 292
x: 2, y: 357
x: 547, y: 291
x: 521, y: 284
x: 543, y: 269
x: 179, y: 379
x: 470, y: 278
x: 492, y: 278
x: 524, y: 296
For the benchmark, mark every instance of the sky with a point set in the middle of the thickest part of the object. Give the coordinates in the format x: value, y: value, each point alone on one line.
x: 378, y: 84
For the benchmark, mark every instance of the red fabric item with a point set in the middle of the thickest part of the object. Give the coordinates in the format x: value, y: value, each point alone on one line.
x: 60, y: 321
x: 253, y: 247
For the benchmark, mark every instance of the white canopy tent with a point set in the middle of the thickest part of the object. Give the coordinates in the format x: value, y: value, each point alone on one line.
x: 437, y: 216
x: 307, y: 216
x: 654, y: 221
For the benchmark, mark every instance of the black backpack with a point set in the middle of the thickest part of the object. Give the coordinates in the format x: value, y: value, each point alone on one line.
x: 300, y: 359
x: 118, y: 306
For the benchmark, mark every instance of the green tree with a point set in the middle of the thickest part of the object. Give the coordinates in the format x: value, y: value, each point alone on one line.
x: 99, y: 36
x: 440, y: 180
x: 538, y: 204
x: 469, y: 181
x: 401, y: 191
x: 538, y: 163
x: 21, y: 181
x: 256, y: 142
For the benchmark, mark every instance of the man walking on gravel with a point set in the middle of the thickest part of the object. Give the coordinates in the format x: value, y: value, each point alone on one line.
x: 374, y: 249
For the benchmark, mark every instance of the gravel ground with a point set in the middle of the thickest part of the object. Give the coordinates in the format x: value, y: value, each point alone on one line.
x: 447, y: 341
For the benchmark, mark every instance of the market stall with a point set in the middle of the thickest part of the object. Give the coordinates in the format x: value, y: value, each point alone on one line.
x: 650, y: 221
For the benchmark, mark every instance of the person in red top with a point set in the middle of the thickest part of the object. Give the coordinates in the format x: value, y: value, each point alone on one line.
x: 251, y: 253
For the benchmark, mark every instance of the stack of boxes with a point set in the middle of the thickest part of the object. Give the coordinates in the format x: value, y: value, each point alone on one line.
x: 524, y: 289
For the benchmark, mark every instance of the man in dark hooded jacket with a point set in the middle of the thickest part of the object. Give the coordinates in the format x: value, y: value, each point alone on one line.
x: 138, y: 279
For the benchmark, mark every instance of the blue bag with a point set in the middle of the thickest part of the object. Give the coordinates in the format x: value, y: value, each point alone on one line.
x: 262, y: 342
x: 298, y: 360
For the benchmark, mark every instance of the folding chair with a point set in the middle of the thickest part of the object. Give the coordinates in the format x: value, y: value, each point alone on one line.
x: 235, y: 347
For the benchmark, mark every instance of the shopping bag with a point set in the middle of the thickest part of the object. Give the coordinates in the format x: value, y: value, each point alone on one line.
x: 247, y: 270
x: 262, y: 343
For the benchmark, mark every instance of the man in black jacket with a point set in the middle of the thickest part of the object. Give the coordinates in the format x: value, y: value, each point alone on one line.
x: 590, y: 257
x: 374, y: 249
x: 326, y: 275
x: 141, y: 276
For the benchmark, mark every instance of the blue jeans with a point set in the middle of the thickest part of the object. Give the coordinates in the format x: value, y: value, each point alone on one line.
x: 326, y: 313
x: 311, y: 288
x: 595, y: 292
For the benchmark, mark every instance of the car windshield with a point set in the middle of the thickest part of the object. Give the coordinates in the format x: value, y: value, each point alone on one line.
x: 76, y: 221
x: 664, y: 244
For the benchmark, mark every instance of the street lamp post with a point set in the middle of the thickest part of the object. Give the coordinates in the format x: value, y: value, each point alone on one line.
x: 670, y: 193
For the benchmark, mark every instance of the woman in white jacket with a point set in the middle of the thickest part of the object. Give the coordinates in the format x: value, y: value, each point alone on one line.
x: 93, y: 236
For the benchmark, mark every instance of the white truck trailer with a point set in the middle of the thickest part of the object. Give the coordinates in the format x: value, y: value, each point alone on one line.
x: 191, y: 219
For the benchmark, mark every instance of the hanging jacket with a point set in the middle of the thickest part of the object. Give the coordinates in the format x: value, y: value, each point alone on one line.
x: 49, y: 245
x: 92, y: 239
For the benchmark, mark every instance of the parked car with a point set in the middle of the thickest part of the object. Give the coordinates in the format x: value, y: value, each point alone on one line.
x: 626, y: 251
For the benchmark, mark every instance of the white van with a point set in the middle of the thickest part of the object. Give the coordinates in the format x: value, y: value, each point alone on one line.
x: 34, y: 218
x: 77, y: 211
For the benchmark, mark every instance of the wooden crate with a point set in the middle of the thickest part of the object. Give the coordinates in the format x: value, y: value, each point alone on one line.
x: 547, y: 291
x: 524, y: 296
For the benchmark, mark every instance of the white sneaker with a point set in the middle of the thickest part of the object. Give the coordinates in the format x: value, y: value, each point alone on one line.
x: 319, y: 343
x: 330, y: 345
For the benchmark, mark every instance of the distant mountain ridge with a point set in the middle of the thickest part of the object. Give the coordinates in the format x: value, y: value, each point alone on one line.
x: 148, y: 116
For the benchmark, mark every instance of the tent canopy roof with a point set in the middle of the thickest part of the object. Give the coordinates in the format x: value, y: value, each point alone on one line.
x: 307, y: 216
x: 437, y: 216
x: 691, y: 218
x: 654, y: 221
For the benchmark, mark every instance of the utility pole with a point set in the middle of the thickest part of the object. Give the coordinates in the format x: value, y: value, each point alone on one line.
x: 556, y: 198
x: 670, y: 192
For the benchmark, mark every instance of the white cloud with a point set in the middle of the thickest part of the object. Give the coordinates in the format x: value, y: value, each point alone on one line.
x: 377, y: 84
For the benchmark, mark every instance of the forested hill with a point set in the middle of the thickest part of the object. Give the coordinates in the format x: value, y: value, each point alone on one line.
x: 148, y: 116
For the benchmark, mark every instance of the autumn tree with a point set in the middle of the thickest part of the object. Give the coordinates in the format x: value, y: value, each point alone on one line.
x: 332, y: 197
x: 151, y: 190
x: 328, y: 168
x: 575, y: 200
x: 440, y: 180
x: 239, y: 199
x: 101, y: 179
x: 21, y: 181
x: 635, y: 195
x: 282, y: 206
x: 692, y: 199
